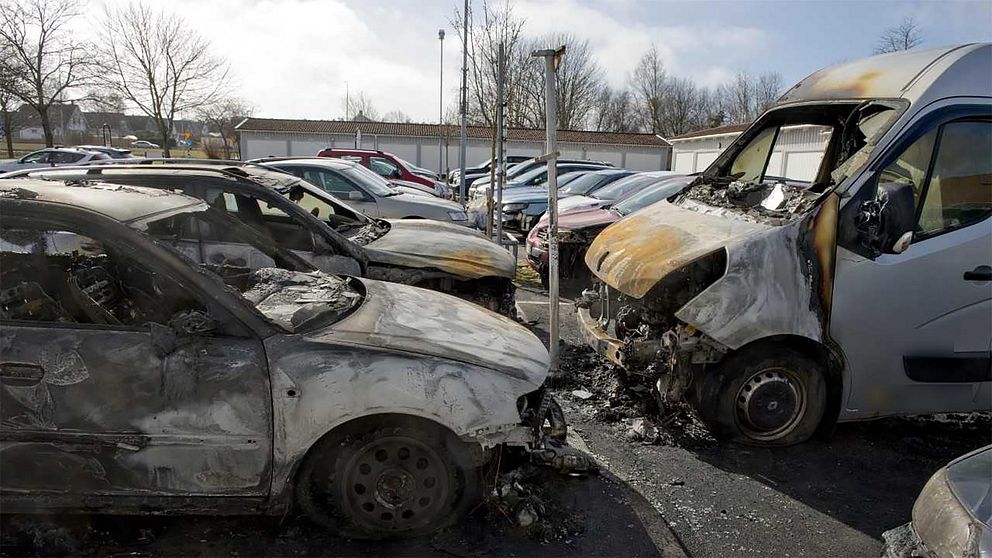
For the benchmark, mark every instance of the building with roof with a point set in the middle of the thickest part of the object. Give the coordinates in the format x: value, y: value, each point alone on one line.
x: 66, y: 120
x: 435, y: 147
x: 797, y: 152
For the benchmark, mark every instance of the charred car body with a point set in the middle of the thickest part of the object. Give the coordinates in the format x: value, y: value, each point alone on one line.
x: 322, y: 229
x: 779, y: 300
x: 135, y: 381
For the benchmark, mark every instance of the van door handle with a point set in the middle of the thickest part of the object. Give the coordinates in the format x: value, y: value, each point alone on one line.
x: 980, y: 273
x: 21, y: 374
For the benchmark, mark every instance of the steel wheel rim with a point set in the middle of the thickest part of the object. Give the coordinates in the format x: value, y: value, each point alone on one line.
x: 770, y: 404
x: 396, y: 484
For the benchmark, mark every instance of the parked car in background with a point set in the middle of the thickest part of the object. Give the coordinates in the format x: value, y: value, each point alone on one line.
x: 142, y: 378
x: 952, y: 517
x: 528, y: 165
x: 387, y: 165
x: 367, y: 191
x: 321, y: 229
x: 51, y: 157
x: 536, y: 176
x: 112, y: 152
x: 578, y: 227
x: 143, y: 144
x: 522, y: 207
x: 476, y: 172
x: 614, y: 191
x: 852, y: 284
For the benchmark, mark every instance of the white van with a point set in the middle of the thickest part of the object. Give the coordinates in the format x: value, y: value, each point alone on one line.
x: 779, y: 304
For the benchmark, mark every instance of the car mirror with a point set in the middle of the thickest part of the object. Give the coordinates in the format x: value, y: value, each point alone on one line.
x: 886, y: 223
x: 355, y: 196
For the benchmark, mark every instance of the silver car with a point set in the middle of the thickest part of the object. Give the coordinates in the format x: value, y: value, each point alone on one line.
x: 51, y: 157
x: 368, y: 192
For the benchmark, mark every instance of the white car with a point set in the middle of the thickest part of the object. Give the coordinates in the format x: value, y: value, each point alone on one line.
x: 51, y: 157
x: 368, y: 192
x: 144, y: 144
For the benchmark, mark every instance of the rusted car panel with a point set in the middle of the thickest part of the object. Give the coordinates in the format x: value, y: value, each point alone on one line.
x: 454, y: 249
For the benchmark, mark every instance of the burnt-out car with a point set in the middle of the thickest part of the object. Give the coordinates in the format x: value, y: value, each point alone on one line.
x: 844, y: 277
x: 135, y: 381
x: 321, y: 228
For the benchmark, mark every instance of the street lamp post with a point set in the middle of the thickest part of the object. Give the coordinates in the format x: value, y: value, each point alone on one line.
x: 347, y: 102
x: 440, y: 109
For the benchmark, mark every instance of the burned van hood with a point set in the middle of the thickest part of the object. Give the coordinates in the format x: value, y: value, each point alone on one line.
x: 395, y: 317
x: 585, y: 217
x: 455, y: 249
x: 633, y: 254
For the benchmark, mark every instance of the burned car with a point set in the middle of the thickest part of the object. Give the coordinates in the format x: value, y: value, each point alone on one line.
x: 331, y: 234
x: 786, y: 289
x: 135, y: 381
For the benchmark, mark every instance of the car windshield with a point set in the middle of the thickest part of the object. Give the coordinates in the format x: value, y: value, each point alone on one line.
x: 650, y: 195
x: 623, y: 187
x: 284, y: 287
x: 369, y: 180
x: 583, y: 184
x: 520, y: 169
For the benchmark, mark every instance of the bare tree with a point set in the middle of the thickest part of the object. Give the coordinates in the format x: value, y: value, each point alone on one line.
x: 578, y: 80
x: 42, y: 60
x: 767, y: 90
x: 359, y: 106
x: 615, y: 111
x: 649, y: 82
x: 158, y: 64
x: 396, y: 116
x: 904, y: 36
x: 744, y: 97
x: 7, y: 102
x: 222, y: 116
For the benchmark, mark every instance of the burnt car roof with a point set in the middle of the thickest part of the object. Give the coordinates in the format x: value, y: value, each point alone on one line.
x: 122, y: 203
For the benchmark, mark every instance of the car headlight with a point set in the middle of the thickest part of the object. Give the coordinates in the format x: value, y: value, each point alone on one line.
x: 458, y: 216
x: 945, y: 524
x: 514, y: 206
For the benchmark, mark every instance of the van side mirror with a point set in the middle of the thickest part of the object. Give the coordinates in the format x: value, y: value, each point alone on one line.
x: 886, y: 223
x: 355, y: 196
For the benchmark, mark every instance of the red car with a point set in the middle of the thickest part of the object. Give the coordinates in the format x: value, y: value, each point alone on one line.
x: 384, y: 164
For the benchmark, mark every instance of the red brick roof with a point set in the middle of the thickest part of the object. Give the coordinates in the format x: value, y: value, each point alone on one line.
x: 719, y: 130
x: 434, y: 130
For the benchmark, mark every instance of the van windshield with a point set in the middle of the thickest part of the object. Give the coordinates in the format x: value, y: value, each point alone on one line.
x: 784, y: 163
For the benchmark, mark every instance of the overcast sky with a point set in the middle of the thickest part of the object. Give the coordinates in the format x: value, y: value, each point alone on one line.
x: 291, y: 58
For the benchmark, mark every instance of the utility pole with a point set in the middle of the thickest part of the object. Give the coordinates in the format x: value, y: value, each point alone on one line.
x: 464, y: 106
x: 551, y: 59
x: 500, y: 142
x: 347, y: 102
x: 440, y: 110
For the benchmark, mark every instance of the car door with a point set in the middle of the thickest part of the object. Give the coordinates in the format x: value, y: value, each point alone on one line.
x: 915, y: 327
x: 120, y: 376
x: 36, y: 160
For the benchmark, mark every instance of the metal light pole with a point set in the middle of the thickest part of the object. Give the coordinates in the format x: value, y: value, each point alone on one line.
x: 464, y: 106
x: 347, y: 102
x: 500, y: 139
x: 440, y: 109
x: 551, y: 59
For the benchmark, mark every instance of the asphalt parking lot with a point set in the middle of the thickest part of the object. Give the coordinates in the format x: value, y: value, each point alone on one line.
x: 823, y: 498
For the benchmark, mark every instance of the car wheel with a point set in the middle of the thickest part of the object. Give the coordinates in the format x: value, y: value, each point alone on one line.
x: 392, y: 477
x: 763, y: 396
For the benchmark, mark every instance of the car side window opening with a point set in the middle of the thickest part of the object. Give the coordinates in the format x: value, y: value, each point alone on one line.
x: 40, y: 157
x: 52, y: 275
x: 959, y: 190
x: 328, y: 181
x: 384, y: 167
x: 749, y: 164
x: 911, y: 166
x: 272, y: 222
x: 66, y: 157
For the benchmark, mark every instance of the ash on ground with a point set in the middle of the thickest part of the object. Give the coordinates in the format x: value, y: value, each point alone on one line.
x: 601, y: 391
x: 527, y: 497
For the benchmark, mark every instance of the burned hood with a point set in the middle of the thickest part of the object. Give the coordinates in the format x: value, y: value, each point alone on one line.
x: 299, y: 301
x: 451, y: 248
x: 397, y: 317
x: 633, y: 254
x: 586, y: 217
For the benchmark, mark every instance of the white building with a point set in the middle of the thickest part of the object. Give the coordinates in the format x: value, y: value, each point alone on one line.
x: 797, y: 152
x: 435, y: 147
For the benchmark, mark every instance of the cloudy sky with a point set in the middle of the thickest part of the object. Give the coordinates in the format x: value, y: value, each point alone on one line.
x: 291, y: 58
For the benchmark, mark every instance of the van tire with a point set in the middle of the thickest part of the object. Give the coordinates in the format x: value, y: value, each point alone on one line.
x: 388, y: 477
x: 763, y: 395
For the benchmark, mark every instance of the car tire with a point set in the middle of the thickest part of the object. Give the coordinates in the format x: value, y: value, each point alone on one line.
x: 762, y: 396
x: 389, y: 477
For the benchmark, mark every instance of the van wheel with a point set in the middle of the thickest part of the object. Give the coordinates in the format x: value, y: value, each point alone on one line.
x: 396, y: 477
x: 763, y: 396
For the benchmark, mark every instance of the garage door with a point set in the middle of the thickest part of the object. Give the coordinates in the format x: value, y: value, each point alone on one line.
x: 683, y: 162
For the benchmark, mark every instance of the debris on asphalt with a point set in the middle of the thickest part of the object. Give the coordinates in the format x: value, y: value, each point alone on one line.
x: 526, y: 497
